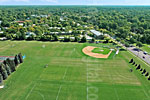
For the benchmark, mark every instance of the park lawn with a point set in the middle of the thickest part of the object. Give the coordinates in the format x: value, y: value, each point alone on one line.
x: 71, y: 75
x: 101, y: 50
x: 146, y: 48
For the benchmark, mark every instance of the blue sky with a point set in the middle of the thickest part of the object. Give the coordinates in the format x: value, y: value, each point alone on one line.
x: 74, y: 2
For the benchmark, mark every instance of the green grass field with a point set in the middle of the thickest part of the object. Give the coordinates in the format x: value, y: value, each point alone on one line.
x: 146, y: 48
x: 71, y: 75
x: 101, y: 50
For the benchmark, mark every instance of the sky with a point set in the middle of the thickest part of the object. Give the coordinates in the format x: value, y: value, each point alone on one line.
x: 74, y: 2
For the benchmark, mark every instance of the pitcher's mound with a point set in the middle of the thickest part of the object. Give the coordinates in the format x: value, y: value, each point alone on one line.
x: 88, y: 51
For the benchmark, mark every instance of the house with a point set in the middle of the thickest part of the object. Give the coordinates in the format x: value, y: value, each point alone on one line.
x: 3, y: 38
x: 5, y: 28
x: 2, y: 58
x: 28, y: 34
x: 96, y: 33
x: 1, y: 32
x: 21, y: 24
x: 72, y: 38
x: 44, y: 16
x: 0, y: 21
x: 61, y: 38
x: 20, y: 21
x: 88, y: 38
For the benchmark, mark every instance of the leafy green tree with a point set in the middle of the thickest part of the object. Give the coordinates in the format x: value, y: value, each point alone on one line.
x: 8, y: 69
x: 1, y: 78
x: 139, y: 44
x: 83, y: 39
x: 55, y: 37
x: 20, y: 58
x: 76, y: 39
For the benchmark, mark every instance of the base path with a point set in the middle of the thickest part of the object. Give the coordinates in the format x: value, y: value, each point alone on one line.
x: 88, y: 51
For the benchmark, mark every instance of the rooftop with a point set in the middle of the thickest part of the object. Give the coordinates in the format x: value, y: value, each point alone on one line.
x: 97, y: 33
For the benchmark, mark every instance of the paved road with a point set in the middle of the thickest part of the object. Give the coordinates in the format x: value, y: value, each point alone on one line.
x: 137, y: 53
x: 140, y: 54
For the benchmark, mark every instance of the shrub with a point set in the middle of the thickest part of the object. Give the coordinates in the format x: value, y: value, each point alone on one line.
x: 1, y: 78
x: 144, y: 71
x: 11, y: 64
x: 16, y: 60
x: 147, y: 74
x: 133, y: 63
x: 139, y: 67
x: 20, y: 58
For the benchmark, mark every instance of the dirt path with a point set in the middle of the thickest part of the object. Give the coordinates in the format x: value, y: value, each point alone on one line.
x: 88, y: 51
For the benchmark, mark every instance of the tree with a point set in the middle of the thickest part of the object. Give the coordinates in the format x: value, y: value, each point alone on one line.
x: 139, y: 44
x: 55, y: 37
x: 66, y: 39
x: 131, y: 61
x: 139, y: 67
x: 8, y: 69
x: 147, y: 74
x: 4, y: 72
x: 93, y: 40
x: 144, y: 71
x: 76, y: 39
x: 126, y: 44
x: 83, y: 39
x: 20, y: 58
x: 1, y: 78
x: 149, y: 78
x: 16, y: 60
x: 11, y: 64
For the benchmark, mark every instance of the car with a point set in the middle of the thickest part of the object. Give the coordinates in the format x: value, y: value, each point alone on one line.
x: 145, y: 52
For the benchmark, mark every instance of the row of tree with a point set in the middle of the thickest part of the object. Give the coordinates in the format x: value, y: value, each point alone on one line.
x: 8, y: 66
x: 138, y: 67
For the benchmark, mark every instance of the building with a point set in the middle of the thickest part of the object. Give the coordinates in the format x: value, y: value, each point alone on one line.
x: 96, y: 33
x: 3, y: 38
x: 20, y: 22
x: 3, y: 58
x: 1, y: 32
x: 28, y: 34
x: 88, y: 38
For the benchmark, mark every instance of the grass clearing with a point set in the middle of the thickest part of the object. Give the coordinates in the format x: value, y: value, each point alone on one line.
x: 146, y: 48
x: 71, y: 75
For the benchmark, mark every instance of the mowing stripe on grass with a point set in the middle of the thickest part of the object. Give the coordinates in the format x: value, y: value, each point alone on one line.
x: 30, y: 91
x: 61, y: 85
x: 65, y: 73
x: 58, y: 92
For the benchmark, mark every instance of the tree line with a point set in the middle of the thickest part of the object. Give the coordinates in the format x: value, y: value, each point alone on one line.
x: 8, y: 66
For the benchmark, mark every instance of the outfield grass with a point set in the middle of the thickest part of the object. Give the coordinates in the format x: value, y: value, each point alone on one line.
x: 71, y: 75
x: 101, y: 50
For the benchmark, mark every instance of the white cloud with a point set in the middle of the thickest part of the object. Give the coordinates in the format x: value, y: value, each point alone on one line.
x: 4, y: 0
x: 54, y: 1
x: 14, y: 0
x: 22, y: 0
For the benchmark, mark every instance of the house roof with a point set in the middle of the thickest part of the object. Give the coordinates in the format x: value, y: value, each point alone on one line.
x: 97, y: 33
x: 20, y: 21
x: 2, y: 58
